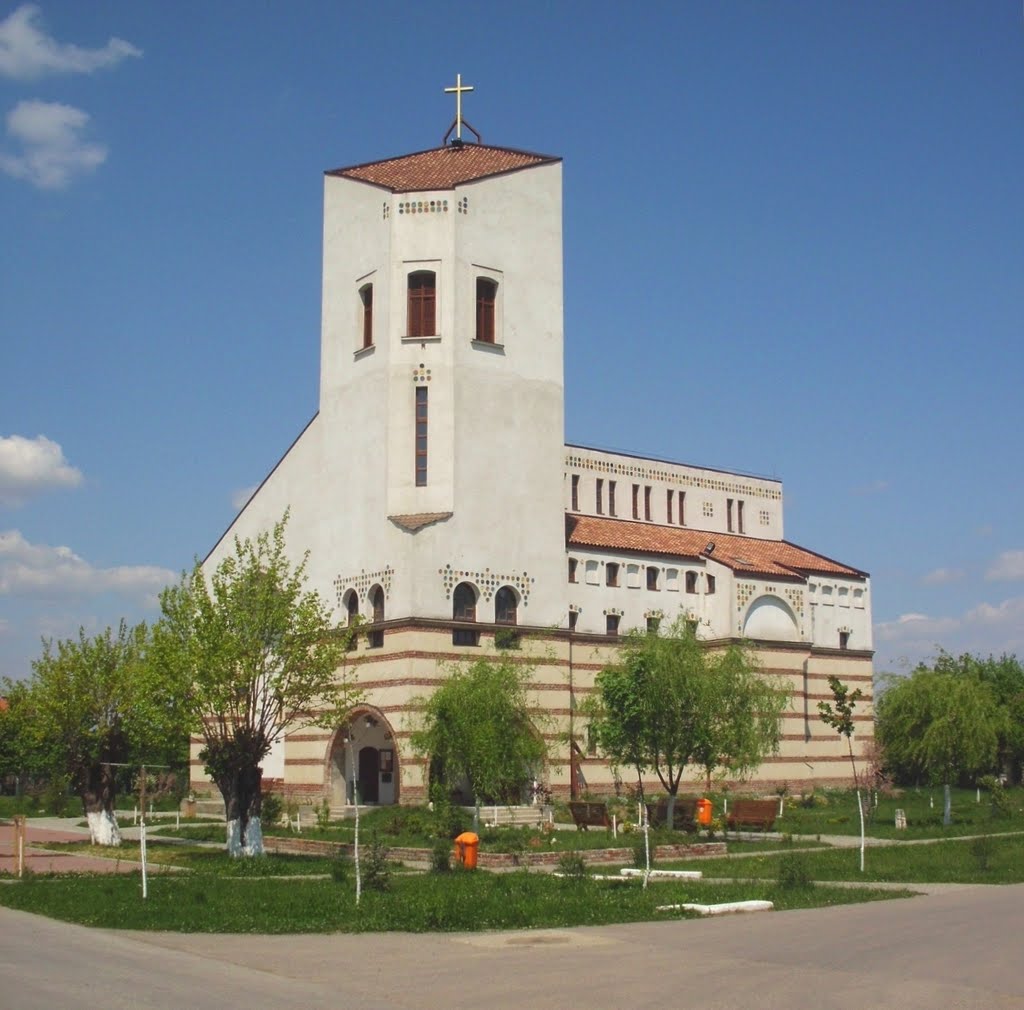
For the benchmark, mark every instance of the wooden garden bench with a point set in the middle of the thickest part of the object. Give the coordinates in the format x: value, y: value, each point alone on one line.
x: 589, y: 815
x: 753, y: 814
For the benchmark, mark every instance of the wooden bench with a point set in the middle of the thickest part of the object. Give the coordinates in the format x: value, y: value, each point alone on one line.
x: 753, y: 814
x: 589, y: 815
x: 684, y: 818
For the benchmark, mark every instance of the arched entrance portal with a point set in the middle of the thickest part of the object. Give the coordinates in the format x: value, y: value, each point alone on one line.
x: 366, y: 744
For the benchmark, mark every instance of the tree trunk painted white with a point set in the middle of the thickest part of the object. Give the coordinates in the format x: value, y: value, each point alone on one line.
x: 253, y: 838
x: 860, y: 810
x: 947, y: 806
x: 103, y: 828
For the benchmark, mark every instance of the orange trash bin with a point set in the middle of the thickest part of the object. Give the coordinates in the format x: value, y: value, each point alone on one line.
x: 466, y: 846
x: 704, y: 812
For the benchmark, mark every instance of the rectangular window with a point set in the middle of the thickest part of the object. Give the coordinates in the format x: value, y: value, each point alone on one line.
x: 711, y: 584
x: 366, y: 296
x: 572, y: 569
x: 590, y: 573
x: 573, y: 618
x: 599, y: 496
x: 611, y: 574
x: 575, y: 492
x: 682, y: 508
x: 691, y: 582
x: 422, y: 303
x: 668, y: 506
x: 672, y: 580
x: 652, y: 579
x: 486, y: 296
x: 375, y: 639
x: 653, y: 623
x: 739, y: 516
x: 636, y: 501
x: 844, y: 640
x: 728, y: 514
x: 647, y: 503
x: 465, y: 636
x: 633, y: 576
x: 611, y: 497
x: 611, y: 624
x: 421, y: 436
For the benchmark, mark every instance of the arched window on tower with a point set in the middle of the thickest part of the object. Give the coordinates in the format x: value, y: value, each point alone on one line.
x: 352, y: 609
x: 464, y: 609
x: 422, y: 303
x: 486, y: 299
x: 505, y: 606
x: 375, y: 639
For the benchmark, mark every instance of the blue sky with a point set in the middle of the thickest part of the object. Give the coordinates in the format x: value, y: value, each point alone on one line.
x: 794, y: 246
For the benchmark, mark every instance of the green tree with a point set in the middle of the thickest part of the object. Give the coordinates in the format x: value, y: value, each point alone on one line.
x: 252, y: 653
x: 938, y: 727
x: 476, y: 728
x: 20, y: 758
x: 92, y: 705
x: 671, y: 703
x: 839, y: 715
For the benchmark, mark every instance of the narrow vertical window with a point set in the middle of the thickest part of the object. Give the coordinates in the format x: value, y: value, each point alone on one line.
x: 652, y: 579
x: 739, y: 515
x: 653, y: 623
x: 611, y: 624
x: 573, y: 618
x: 486, y: 296
x: 636, y: 501
x: 611, y: 497
x: 844, y: 640
x: 422, y: 303
x: 668, y: 506
x: 366, y: 297
x: 647, y: 502
x: 375, y: 639
x: 505, y: 606
x: 611, y: 574
x: 728, y: 514
x: 691, y: 582
x: 572, y: 569
x: 421, y: 436
x: 575, y: 492
x: 682, y: 508
x: 711, y: 584
x: 599, y: 496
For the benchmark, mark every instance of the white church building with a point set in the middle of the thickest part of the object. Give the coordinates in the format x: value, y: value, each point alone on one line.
x: 438, y: 499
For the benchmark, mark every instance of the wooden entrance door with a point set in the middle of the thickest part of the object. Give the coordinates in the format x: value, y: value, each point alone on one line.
x: 369, y: 780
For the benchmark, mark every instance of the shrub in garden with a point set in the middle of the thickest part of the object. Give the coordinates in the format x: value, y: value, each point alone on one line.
x: 572, y: 867
x: 323, y: 815
x: 794, y: 873
x: 640, y: 854
x: 341, y: 867
x: 376, y: 868
x: 441, y: 856
x: 271, y: 809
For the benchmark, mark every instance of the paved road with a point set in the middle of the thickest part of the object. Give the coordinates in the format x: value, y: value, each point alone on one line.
x: 955, y: 949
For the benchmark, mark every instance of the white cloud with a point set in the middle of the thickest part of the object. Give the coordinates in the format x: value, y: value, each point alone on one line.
x: 39, y: 570
x: 915, y: 627
x: 242, y: 495
x: 943, y: 576
x: 30, y: 466
x: 27, y: 52
x: 1009, y: 614
x: 1008, y: 566
x: 52, y: 148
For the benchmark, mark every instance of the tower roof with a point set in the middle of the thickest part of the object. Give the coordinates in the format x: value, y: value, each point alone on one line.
x: 443, y: 167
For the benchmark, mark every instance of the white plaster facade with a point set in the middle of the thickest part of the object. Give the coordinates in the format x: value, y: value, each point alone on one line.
x: 499, y: 485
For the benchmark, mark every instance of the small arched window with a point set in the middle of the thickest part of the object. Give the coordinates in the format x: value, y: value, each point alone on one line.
x: 464, y: 609
x: 366, y: 297
x: 352, y: 607
x: 505, y: 606
x: 375, y: 639
x: 486, y: 299
x: 422, y: 303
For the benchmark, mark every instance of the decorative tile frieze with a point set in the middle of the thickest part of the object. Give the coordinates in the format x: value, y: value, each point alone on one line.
x: 486, y: 581
x: 361, y: 583
x: 423, y: 207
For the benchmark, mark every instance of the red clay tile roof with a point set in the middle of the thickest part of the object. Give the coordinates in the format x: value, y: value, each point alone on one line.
x: 417, y: 520
x: 741, y: 554
x: 442, y: 167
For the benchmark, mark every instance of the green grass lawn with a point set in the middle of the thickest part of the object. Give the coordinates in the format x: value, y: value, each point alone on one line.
x: 834, y: 812
x: 995, y: 860
x: 416, y: 902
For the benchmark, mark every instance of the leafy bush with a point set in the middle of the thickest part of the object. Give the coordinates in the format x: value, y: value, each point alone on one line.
x: 441, y: 857
x: 323, y: 815
x: 377, y: 868
x: 999, y: 798
x: 54, y: 799
x: 572, y: 867
x: 794, y: 872
x: 271, y: 809
x: 640, y: 853
x: 341, y: 867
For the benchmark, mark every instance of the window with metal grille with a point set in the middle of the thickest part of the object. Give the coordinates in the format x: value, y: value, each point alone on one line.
x: 421, y: 436
x: 486, y: 297
x: 422, y: 303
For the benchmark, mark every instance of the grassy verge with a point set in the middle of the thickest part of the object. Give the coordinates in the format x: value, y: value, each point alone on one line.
x: 992, y: 859
x: 415, y: 903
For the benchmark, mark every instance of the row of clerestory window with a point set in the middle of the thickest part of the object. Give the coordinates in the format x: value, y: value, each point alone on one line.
x: 421, y: 308
x: 605, y: 501
x: 652, y: 577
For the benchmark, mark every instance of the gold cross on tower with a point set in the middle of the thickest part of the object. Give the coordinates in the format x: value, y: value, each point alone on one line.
x: 457, y: 91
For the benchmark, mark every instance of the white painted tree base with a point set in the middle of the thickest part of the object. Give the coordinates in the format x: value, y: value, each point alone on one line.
x: 725, y: 908
x: 103, y: 828
x: 253, y: 838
